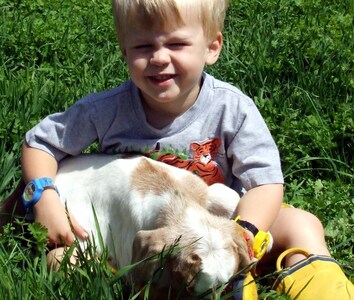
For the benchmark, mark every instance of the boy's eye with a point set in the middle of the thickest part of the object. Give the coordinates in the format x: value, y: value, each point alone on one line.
x: 143, y: 46
x: 172, y: 45
x: 177, y: 45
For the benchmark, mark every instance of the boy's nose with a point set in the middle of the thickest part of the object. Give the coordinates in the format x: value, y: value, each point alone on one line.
x: 160, y: 57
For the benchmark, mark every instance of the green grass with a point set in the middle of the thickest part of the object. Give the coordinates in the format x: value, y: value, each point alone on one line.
x: 295, y: 58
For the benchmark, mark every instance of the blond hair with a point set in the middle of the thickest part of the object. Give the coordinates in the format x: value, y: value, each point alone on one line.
x: 165, y: 14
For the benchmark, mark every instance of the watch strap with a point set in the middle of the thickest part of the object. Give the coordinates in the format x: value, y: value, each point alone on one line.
x: 34, y: 189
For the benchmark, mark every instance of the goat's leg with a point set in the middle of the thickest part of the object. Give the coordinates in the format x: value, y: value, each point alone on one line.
x: 222, y: 200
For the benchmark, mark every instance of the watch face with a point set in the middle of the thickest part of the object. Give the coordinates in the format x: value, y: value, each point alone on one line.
x: 29, y: 192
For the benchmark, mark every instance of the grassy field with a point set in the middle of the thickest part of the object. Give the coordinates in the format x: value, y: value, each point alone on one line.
x: 295, y: 58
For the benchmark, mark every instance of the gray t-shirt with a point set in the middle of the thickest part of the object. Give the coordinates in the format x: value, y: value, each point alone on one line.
x: 222, y: 137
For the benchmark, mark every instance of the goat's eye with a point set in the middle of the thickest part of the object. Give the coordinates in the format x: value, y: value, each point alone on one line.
x: 190, y: 290
x: 195, y: 257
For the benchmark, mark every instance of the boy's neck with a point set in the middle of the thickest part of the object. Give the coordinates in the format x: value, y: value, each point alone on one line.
x: 160, y: 118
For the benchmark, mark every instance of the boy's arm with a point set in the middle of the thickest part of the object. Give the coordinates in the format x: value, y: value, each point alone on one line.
x: 260, y: 205
x: 49, y: 210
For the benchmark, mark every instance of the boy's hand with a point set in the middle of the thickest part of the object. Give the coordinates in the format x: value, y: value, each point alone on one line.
x: 50, y: 212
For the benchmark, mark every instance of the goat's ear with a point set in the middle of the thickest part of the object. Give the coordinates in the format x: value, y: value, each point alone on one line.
x: 169, y: 274
x: 184, y: 269
x: 147, y: 243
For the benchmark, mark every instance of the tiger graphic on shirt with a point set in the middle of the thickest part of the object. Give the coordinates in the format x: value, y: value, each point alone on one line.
x: 202, y: 163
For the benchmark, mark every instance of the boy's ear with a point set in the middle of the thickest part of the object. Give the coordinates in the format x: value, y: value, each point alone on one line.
x: 214, y: 49
x: 123, y: 52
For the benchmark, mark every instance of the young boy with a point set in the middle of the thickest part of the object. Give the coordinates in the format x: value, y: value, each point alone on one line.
x: 170, y: 103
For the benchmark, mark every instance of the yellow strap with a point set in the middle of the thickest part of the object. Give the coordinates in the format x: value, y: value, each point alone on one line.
x: 290, y: 251
x: 260, y: 243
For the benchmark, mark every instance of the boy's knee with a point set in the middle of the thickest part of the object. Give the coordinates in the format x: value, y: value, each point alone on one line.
x: 310, y: 222
x: 294, y: 225
x: 54, y: 257
x: 299, y: 218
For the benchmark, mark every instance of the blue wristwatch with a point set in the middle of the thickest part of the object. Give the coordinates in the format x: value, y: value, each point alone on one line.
x: 34, y: 189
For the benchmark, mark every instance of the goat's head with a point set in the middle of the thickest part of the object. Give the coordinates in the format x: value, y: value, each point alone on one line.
x: 189, y: 259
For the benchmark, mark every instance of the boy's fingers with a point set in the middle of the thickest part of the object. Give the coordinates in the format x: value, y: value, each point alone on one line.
x: 65, y: 238
x: 69, y: 238
x: 77, y: 229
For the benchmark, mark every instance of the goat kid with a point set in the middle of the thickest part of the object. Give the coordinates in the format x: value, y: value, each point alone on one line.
x: 143, y: 207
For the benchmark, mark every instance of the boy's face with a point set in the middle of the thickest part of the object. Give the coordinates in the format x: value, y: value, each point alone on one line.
x: 167, y: 65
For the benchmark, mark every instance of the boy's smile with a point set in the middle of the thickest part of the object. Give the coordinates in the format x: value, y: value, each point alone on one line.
x: 167, y: 66
x: 161, y: 80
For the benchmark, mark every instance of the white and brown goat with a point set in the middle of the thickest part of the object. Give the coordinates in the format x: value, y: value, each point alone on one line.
x: 144, y: 206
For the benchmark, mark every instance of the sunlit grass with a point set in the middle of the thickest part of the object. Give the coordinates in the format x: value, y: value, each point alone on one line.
x: 294, y: 58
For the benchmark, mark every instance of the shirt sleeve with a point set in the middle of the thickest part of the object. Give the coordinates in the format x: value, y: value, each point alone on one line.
x: 65, y: 133
x: 255, y: 156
